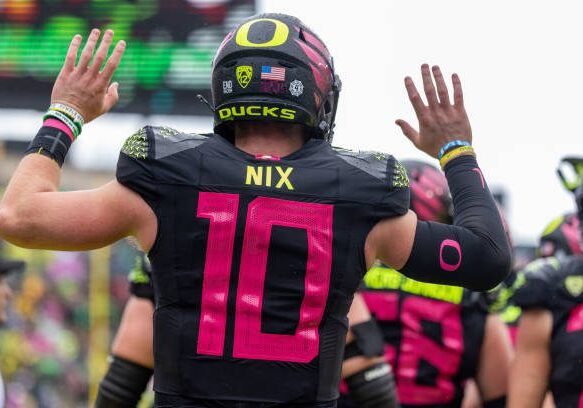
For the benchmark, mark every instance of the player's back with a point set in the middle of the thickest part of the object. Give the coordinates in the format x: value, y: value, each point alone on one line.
x: 251, y: 262
x: 433, y: 335
x: 556, y: 285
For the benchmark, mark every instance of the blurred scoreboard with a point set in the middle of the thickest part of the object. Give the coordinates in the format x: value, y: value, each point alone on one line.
x: 170, y: 45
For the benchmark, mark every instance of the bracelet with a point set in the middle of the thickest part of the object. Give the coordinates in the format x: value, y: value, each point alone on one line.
x: 75, y: 128
x: 457, y: 152
x: 69, y: 111
x: 52, y: 143
x: 449, y: 145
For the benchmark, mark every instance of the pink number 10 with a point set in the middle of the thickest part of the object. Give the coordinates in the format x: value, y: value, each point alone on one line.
x: 263, y: 213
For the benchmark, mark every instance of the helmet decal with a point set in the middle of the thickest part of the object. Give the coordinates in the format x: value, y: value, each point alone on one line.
x: 244, y: 74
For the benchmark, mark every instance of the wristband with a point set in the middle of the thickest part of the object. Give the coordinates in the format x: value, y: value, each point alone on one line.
x: 52, y: 143
x: 457, y: 152
x: 69, y: 111
x: 449, y: 145
x: 75, y: 127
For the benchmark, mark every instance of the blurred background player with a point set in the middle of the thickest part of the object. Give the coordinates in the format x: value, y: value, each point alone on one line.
x: 7, y: 267
x: 368, y: 378
x: 131, y: 364
x: 561, y: 237
x: 549, y: 349
x: 436, y: 337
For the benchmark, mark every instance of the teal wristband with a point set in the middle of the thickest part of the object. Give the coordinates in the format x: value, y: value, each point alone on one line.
x: 449, y: 145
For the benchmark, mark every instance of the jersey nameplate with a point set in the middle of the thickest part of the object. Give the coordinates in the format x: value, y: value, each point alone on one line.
x: 269, y: 176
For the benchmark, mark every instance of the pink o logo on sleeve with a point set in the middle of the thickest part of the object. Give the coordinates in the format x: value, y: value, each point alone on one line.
x: 452, y: 244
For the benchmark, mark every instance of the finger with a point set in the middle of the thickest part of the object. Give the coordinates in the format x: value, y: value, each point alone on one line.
x: 458, y: 95
x: 88, y: 49
x: 414, y: 96
x: 71, y: 57
x: 441, y: 86
x: 111, y: 97
x: 428, y: 86
x: 102, y: 51
x: 408, y: 131
x: 113, y: 61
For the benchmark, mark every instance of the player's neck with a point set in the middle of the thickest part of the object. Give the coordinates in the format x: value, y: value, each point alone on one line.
x: 272, y: 139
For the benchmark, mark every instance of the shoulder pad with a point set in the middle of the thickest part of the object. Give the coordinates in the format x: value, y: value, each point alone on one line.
x: 542, y: 268
x: 380, y: 165
x: 537, y: 284
x: 168, y: 141
x: 157, y: 142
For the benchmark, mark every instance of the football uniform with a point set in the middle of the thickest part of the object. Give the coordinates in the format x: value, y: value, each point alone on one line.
x: 255, y: 262
x: 140, y: 278
x: 557, y: 286
x: 433, y: 335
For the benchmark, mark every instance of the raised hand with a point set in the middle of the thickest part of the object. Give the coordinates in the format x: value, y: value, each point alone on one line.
x: 84, y: 87
x: 439, y: 121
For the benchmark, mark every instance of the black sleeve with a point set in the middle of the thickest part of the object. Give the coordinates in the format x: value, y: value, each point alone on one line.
x: 135, y: 165
x: 474, y: 252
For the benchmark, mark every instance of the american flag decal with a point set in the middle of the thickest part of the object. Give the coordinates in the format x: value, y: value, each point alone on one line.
x: 272, y: 73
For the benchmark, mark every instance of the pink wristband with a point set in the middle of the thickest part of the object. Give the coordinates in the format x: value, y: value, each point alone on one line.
x: 56, y: 123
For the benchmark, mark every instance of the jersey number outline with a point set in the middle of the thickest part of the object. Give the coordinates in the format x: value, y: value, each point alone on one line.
x: 414, y: 346
x: 262, y: 213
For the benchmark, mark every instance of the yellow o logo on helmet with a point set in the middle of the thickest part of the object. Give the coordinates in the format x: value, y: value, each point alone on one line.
x: 279, y: 36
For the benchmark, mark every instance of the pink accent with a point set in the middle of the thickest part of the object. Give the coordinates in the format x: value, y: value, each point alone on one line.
x: 426, y: 204
x: 57, y: 124
x: 267, y: 157
x: 570, y: 230
x: 453, y: 244
x: 384, y: 305
x: 513, y: 330
x: 477, y: 170
x: 303, y: 346
x: 575, y: 322
x: 446, y: 357
x: 221, y: 209
x: 343, y: 387
x: 320, y: 69
x: 316, y: 43
x: 385, y: 308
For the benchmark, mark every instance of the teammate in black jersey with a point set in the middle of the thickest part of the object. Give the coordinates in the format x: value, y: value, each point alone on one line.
x: 259, y: 234
x: 132, y: 358
x: 436, y: 337
x: 550, y: 333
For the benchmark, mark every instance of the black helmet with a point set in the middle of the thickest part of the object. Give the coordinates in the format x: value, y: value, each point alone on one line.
x: 430, y: 198
x: 561, y: 237
x: 274, y: 68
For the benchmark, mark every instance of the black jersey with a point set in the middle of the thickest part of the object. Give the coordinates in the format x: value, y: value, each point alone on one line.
x: 140, y: 278
x: 256, y: 260
x: 557, y: 286
x: 433, y: 335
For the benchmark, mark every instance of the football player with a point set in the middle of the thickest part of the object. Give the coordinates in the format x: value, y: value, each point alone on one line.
x: 549, y: 349
x: 259, y: 234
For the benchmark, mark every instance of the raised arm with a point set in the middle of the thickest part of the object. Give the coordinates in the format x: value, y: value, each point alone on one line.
x: 474, y: 252
x: 33, y: 213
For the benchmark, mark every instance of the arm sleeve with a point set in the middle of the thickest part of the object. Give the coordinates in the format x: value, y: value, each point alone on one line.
x: 474, y: 252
